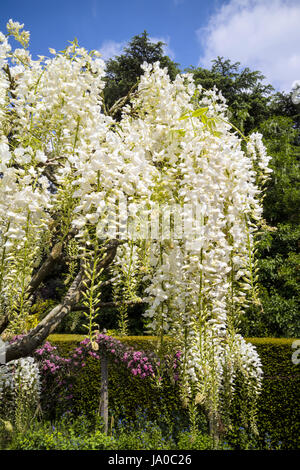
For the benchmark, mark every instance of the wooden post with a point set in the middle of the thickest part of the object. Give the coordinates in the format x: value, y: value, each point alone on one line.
x: 104, y: 389
x: 213, y: 431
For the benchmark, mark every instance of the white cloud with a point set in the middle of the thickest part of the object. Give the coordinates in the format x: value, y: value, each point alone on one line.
x: 166, y: 48
x: 261, y: 34
x: 111, y: 48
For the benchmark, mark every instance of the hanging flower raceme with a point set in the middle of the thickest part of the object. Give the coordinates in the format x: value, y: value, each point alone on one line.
x: 19, y: 382
x: 204, y: 278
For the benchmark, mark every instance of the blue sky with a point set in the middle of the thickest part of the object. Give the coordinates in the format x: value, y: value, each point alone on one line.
x: 196, y: 31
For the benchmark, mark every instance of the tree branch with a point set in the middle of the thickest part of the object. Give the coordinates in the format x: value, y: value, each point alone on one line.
x: 121, y: 101
x: 11, y: 80
x: 46, y: 268
x: 37, y: 335
x: 55, y: 256
x: 4, y: 323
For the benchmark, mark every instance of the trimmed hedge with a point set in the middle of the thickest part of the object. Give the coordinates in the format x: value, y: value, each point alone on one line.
x: 129, y: 396
x: 279, y: 404
x: 278, y: 407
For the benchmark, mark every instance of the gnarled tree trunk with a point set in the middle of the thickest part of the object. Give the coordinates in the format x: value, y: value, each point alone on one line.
x: 37, y: 335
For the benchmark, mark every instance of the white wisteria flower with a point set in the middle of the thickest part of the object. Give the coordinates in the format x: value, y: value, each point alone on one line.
x: 171, y: 178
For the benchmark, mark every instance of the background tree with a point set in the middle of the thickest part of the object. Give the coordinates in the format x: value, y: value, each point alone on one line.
x: 279, y: 251
x: 254, y: 107
x: 281, y: 104
x: 123, y: 71
x: 245, y: 91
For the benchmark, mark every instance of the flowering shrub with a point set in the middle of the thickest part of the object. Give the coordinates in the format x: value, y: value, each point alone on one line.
x: 56, y: 377
x: 58, y: 373
x: 137, y: 361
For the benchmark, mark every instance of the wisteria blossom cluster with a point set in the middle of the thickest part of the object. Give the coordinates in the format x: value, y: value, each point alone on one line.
x: 63, y: 158
x: 23, y: 371
x: 19, y: 380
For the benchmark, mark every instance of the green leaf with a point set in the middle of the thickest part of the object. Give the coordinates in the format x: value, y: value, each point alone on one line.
x: 199, y: 112
x: 184, y: 116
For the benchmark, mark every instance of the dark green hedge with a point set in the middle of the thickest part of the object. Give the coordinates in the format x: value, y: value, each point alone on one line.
x: 278, y: 408
x: 129, y: 396
x: 279, y: 404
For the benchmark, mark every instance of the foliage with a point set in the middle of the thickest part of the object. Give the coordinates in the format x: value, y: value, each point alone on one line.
x: 84, y: 433
x: 152, y: 426
x: 282, y: 197
x: 141, y: 434
x: 278, y: 405
x: 66, y: 434
x: 278, y: 251
x: 278, y: 261
x: 246, y: 94
x: 190, y: 441
x: 281, y: 104
x: 278, y: 408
